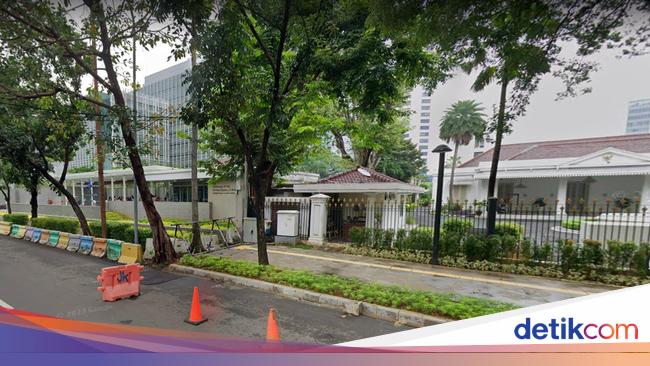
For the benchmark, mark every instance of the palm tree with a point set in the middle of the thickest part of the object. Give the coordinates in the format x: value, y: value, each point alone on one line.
x: 462, y: 122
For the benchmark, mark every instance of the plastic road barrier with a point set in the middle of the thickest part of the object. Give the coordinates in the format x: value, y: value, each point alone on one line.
x: 86, y: 245
x: 17, y: 231
x: 99, y: 247
x: 5, y: 228
x: 120, y: 282
x: 180, y: 245
x: 54, y: 238
x: 45, y: 237
x: 73, y: 243
x: 29, y: 232
x: 63, y: 240
x: 36, y: 236
x: 131, y: 253
x: 114, y: 250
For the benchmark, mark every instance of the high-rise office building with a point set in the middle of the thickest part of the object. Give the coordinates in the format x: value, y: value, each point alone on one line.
x: 424, y: 131
x: 638, y: 116
x: 163, y: 135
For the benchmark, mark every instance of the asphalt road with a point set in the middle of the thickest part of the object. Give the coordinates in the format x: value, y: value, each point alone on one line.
x: 47, y: 280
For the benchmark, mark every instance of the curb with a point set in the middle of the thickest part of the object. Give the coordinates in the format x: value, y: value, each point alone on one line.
x: 353, y: 307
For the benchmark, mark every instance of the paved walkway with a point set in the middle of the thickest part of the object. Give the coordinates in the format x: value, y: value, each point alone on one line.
x: 515, y: 289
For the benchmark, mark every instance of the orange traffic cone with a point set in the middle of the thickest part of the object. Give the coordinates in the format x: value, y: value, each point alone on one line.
x: 272, y: 330
x: 195, y: 312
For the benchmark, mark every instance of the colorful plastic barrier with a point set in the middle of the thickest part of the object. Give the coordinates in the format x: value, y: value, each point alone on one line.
x: 99, y: 247
x: 131, y: 253
x: 73, y: 243
x: 5, y: 228
x: 86, y: 244
x: 29, y: 232
x: 114, y: 250
x: 63, y: 240
x: 36, y: 236
x: 17, y: 231
x: 120, y: 282
x: 45, y: 237
x: 54, y: 238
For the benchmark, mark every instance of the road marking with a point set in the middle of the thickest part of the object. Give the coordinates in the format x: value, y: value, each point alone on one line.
x: 431, y: 273
x: 5, y: 305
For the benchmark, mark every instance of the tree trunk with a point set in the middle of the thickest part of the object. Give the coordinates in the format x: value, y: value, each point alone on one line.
x: 499, y: 137
x: 100, y: 152
x: 83, y: 223
x: 164, y: 250
x: 6, y: 193
x: 260, y: 197
x: 33, y: 201
x: 453, y: 171
x: 196, y: 245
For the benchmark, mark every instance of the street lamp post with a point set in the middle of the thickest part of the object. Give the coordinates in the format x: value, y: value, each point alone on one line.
x: 441, y: 150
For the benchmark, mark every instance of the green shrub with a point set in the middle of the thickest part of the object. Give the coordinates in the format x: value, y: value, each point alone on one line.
x: 507, y: 246
x: 592, y: 253
x: 456, y: 225
x: 18, y: 219
x: 542, y: 253
x: 120, y: 231
x: 473, y: 247
x: 387, y: 239
x: 526, y: 249
x: 419, y: 240
x: 509, y: 228
x: 571, y: 224
x: 57, y: 223
x: 640, y: 259
x: 358, y: 235
x: 450, y: 244
x: 614, y: 254
x: 569, y: 255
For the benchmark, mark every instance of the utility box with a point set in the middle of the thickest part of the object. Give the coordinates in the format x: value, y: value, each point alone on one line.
x: 287, y: 231
x: 250, y: 230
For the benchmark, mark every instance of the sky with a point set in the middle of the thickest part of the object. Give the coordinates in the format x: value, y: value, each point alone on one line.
x: 602, y: 112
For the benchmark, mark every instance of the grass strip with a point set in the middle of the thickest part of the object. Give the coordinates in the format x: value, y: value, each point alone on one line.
x: 436, y: 304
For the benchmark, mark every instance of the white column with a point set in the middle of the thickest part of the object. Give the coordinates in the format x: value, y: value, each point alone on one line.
x: 81, y: 184
x: 370, y: 211
x: 123, y: 189
x: 112, y: 189
x: 561, y: 194
x: 74, y: 190
x: 645, y: 192
x: 318, y: 220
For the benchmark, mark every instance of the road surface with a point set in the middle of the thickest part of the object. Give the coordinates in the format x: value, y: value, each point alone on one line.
x: 47, y: 280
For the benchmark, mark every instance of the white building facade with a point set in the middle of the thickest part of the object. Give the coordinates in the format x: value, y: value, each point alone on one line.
x: 580, y: 174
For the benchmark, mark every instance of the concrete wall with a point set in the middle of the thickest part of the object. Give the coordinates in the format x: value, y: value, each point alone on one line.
x: 168, y: 210
x: 92, y: 213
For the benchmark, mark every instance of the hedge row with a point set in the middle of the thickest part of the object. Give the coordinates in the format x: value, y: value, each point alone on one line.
x: 57, y: 224
x: 18, y: 219
x: 120, y: 231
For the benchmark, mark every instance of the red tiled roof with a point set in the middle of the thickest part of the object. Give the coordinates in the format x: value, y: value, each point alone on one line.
x: 354, y: 176
x: 564, y: 148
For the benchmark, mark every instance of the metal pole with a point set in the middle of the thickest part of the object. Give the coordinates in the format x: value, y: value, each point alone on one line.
x: 441, y: 150
x: 135, y: 137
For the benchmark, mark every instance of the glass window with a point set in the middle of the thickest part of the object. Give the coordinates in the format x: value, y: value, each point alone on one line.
x: 424, y: 127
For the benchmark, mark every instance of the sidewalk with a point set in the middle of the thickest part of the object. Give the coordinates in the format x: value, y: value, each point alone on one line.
x: 516, y: 289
